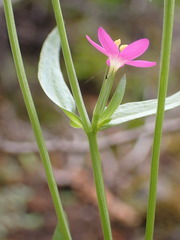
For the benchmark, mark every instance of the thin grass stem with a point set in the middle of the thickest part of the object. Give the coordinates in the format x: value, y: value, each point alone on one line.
x: 34, y: 118
x: 162, y: 91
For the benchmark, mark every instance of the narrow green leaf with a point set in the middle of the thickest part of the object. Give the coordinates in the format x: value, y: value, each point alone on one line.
x: 50, y: 75
x: 130, y: 111
x: 104, y: 122
x: 75, y: 125
x: 74, y: 118
x: 115, y: 101
x: 57, y: 234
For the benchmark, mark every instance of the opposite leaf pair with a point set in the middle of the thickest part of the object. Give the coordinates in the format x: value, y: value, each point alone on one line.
x: 53, y: 84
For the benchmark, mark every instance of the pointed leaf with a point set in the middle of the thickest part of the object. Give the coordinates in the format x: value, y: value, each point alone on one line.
x: 75, y: 120
x: 130, y: 111
x: 57, y: 233
x: 75, y: 124
x: 50, y: 75
x: 115, y: 101
x: 104, y: 122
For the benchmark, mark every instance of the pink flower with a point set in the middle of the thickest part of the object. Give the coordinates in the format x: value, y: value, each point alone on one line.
x: 118, y: 57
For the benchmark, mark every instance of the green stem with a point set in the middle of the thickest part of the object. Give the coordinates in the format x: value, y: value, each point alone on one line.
x: 99, y: 183
x: 163, y: 83
x: 69, y: 66
x: 34, y: 118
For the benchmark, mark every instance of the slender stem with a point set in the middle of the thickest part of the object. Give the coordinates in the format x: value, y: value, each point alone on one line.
x: 163, y: 83
x: 69, y: 65
x: 87, y: 126
x: 99, y: 183
x: 34, y: 118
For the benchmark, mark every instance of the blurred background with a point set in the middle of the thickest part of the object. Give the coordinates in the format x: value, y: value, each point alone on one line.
x: 26, y: 210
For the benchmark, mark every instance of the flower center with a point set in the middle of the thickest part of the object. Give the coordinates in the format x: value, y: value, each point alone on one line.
x: 118, y: 44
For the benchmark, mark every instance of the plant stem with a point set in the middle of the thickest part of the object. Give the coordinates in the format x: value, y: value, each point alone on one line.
x: 99, y: 183
x: 163, y: 83
x: 69, y: 66
x: 34, y: 118
x: 87, y: 125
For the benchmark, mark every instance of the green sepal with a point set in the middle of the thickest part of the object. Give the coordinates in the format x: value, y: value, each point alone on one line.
x: 103, y: 98
x: 115, y: 100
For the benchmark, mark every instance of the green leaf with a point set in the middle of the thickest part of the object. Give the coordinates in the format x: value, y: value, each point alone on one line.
x: 75, y: 125
x: 104, y: 122
x: 57, y: 234
x: 74, y: 118
x: 50, y: 75
x: 115, y: 101
x: 130, y: 111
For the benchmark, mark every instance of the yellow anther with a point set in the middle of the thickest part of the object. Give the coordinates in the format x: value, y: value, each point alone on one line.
x: 118, y: 42
x: 122, y: 47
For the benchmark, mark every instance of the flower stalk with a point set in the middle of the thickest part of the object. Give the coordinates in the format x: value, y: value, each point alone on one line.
x: 162, y: 90
x: 91, y: 133
x: 99, y: 183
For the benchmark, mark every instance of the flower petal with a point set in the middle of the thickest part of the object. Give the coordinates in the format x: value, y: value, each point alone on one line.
x: 98, y: 47
x: 107, y: 43
x: 140, y: 63
x: 108, y: 62
x: 135, y: 49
